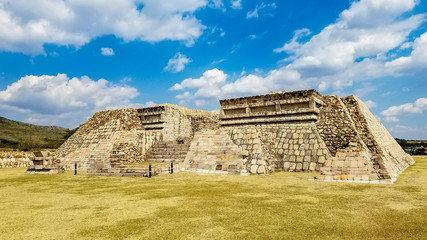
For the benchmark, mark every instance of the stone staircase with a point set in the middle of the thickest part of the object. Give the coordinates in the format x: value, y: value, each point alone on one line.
x: 167, y: 151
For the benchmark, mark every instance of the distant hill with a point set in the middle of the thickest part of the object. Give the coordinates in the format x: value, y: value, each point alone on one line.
x: 24, y: 136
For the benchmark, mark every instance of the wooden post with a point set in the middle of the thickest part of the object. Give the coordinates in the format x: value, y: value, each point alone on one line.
x: 171, y: 167
x: 149, y: 170
x: 75, y: 168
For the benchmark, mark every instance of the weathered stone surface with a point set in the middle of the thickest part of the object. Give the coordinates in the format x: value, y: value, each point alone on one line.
x: 127, y: 135
x: 281, y: 131
x: 213, y: 150
x: 12, y: 159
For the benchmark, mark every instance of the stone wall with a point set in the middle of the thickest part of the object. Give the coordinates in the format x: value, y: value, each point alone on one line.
x: 125, y: 135
x: 388, y: 157
x: 283, y: 147
x: 212, y: 151
x: 281, y: 107
x: 336, y: 126
x: 95, y: 140
x: 280, y: 131
x: 12, y: 159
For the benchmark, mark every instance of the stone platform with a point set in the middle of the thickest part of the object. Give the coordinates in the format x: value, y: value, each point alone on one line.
x: 338, y: 138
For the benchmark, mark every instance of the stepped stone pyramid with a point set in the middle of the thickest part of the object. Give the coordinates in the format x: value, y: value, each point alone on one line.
x: 338, y: 138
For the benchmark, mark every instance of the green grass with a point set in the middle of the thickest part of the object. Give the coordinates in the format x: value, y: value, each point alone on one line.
x: 191, y: 206
x: 24, y: 136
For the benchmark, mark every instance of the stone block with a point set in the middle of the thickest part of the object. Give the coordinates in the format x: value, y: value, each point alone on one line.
x: 364, y: 177
x: 305, y: 166
x: 261, y: 169
x: 312, y: 166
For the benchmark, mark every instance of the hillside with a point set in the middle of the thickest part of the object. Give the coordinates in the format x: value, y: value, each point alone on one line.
x: 24, y: 136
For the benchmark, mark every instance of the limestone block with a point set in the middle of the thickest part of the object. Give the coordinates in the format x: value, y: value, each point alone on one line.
x: 261, y: 169
x: 312, y: 166
x: 254, y: 168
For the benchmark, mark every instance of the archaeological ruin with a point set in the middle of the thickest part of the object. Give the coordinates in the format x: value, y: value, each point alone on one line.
x: 336, y: 138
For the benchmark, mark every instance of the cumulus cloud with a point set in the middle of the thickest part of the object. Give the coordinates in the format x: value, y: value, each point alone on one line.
x: 392, y: 113
x: 214, y: 85
x: 371, y: 104
x: 59, y: 100
x: 28, y: 25
x: 293, y: 44
x: 132, y: 105
x: 416, y: 61
x: 262, y: 8
x: 177, y: 63
x: 355, y: 47
x: 107, y: 51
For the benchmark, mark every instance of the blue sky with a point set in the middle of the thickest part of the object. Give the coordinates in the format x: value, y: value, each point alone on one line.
x: 61, y: 61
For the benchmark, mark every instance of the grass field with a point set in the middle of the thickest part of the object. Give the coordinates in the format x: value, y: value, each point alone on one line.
x: 191, y: 206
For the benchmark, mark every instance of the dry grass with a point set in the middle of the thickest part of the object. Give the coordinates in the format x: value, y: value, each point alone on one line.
x: 191, y: 206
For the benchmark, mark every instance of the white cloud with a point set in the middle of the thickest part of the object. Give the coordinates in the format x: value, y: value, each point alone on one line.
x: 293, y: 44
x: 371, y: 104
x: 132, y: 105
x: 218, y: 30
x: 107, y: 51
x: 177, y: 63
x: 217, y: 4
x: 355, y: 47
x: 399, y: 128
x: 392, y: 113
x: 385, y: 94
x: 416, y: 61
x: 28, y: 25
x: 236, y: 4
x: 260, y: 9
x: 59, y: 100
x: 407, y: 132
x: 213, y: 85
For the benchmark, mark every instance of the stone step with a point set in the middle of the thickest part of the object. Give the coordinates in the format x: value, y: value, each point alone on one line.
x: 169, y: 149
x: 168, y: 160
x: 167, y: 156
x: 156, y: 148
x: 168, y: 153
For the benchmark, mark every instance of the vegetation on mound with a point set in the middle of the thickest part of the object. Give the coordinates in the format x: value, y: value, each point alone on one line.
x: 24, y: 136
x: 414, y: 147
x: 192, y: 206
